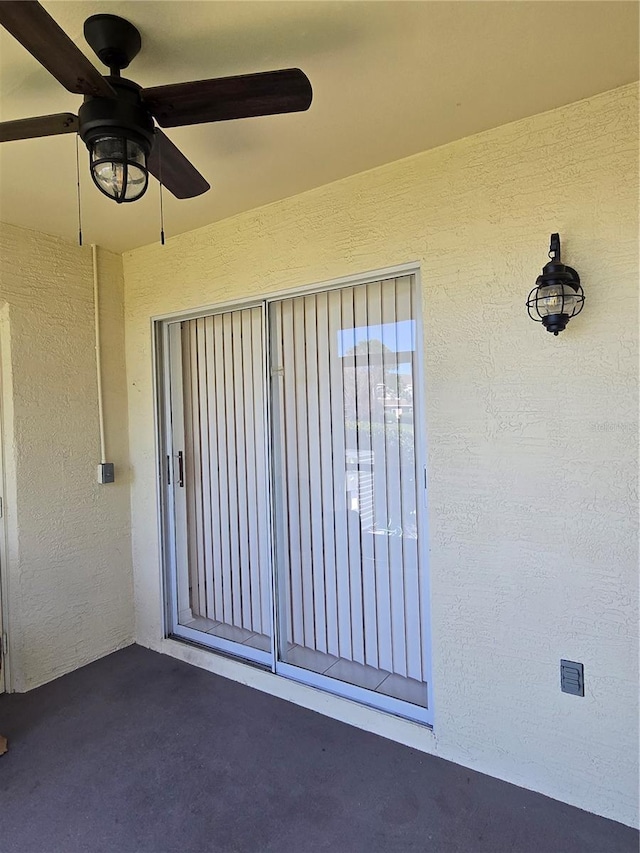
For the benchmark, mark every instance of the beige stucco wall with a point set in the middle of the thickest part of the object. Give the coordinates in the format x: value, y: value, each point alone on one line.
x: 68, y: 565
x: 532, y: 439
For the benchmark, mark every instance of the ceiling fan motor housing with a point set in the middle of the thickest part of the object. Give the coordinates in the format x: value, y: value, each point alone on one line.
x: 125, y: 116
x: 114, y: 40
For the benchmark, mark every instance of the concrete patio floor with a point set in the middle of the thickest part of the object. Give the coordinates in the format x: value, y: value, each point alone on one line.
x: 140, y: 753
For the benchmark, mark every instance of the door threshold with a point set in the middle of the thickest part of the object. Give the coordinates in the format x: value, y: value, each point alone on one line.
x: 321, y: 683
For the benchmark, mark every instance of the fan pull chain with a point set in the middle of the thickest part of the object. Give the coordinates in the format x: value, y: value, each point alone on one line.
x: 161, y: 204
x: 78, y: 189
x: 161, y: 218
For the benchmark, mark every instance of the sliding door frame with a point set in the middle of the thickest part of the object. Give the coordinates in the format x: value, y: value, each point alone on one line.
x: 164, y: 330
x: 160, y: 329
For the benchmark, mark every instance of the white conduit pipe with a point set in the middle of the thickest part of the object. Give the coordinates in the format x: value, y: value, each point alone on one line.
x: 96, y: 310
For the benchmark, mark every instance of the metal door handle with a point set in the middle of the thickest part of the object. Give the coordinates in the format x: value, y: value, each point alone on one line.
x: 180, y: 469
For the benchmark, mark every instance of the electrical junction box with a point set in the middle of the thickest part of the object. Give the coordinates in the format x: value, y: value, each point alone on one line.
x: 106, y: 474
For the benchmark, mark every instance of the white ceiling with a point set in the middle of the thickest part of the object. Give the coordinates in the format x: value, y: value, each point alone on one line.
x: 390, y: 79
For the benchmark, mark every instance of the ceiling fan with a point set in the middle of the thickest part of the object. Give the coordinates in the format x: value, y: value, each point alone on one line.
x: 117, y: 119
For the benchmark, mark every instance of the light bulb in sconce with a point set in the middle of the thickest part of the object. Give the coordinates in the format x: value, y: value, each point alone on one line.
x: 558, y: 295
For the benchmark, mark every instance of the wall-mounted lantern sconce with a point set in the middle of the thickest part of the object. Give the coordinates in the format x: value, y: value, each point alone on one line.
x: 558, y: 295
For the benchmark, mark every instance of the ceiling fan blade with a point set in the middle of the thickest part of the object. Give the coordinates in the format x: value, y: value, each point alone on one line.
x: 169, y: 165
x: 35, y: 29
x: 224, y: 98
x: 30, y: 128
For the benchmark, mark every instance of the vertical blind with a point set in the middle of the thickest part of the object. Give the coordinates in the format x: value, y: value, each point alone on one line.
x: 343, y: 364
x: 227, y: 541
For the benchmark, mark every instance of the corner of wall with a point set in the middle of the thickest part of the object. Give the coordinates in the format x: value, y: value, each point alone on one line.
x: 68, y: 576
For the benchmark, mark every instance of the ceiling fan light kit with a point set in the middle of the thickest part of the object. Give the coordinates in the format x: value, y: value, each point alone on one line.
x: 119, y: 135
x: 119, y: 167
x: 117, y: 121
x: 117, y: 131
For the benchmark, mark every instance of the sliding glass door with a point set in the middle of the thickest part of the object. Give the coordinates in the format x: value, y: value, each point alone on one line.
x: 219, y: 482
x: 296, y: 505
x: 349, y: 504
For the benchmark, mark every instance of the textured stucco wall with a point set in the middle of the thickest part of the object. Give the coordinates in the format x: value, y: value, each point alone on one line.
x: 68, y: 539
x: 532, y: 439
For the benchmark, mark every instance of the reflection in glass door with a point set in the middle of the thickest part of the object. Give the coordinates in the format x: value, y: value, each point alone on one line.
x: 349, y: 505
